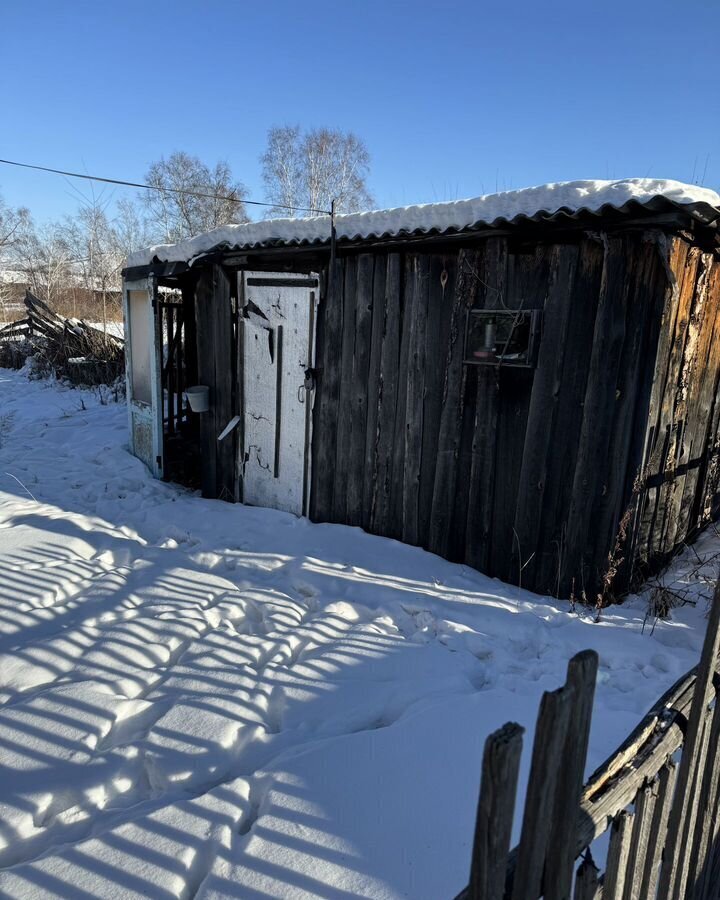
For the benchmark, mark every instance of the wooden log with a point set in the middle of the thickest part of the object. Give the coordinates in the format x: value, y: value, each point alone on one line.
x: 384, y: 488
x: 581, y: 676
x: 344, y: 418
x: 640, y: 840
x: 358, y: 389
x: 328, y: 358
x: 685, y: 808
x: 415, y: 321
x: 587, y: 880
x: 545, y: 777
x: 496, y: 806
x: 453, y: 392
x: 616, y: 869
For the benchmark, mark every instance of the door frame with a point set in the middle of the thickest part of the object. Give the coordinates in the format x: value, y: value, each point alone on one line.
x: 310, y: 281
x: 141, y: 413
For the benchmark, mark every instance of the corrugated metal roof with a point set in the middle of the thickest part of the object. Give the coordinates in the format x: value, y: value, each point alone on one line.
x: 550, y: 203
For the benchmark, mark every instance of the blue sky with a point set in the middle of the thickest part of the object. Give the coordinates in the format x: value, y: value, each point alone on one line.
x: 453, y: 99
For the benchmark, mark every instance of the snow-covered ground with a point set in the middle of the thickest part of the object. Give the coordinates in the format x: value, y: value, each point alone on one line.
x: 202, y: 700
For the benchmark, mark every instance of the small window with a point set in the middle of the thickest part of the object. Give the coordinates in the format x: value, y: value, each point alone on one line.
x: 140, y: 345
x: 502, y: 337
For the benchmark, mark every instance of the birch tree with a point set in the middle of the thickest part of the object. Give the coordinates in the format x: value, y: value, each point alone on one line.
x: 173, y: 216
x: 313, y: 168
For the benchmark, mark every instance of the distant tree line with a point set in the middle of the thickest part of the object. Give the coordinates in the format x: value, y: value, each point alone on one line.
x: 74, y: 264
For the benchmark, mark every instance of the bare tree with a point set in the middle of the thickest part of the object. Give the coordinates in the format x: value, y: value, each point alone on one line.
x: 314, y: 168
x: 12, y: 223
x: 97, y: 255
x: 41, y: 257
x: 174, y: 216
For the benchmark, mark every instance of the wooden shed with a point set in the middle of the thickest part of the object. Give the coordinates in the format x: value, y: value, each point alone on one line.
x: 526, y: 382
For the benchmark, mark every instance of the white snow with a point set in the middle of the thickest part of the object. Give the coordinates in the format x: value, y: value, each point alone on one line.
x: 214, y: 701
x: 490, y: 209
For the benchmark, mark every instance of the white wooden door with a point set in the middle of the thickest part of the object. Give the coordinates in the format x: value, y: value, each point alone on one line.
x: 278, y: 342
x: 143, y: 364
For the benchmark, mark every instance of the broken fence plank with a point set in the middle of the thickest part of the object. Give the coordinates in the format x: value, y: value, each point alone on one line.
x: 493, y: 828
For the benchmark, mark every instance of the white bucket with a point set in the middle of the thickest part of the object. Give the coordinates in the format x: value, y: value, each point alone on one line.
x: 198, y: 398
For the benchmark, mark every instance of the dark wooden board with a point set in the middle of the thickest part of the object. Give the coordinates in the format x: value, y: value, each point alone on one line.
x: 374, y: 399
x: 416, y: 323
x: 358, y: 389
x: 442, y: 275
x: 591, y: 467
x: 328, y: 358
x: 453, y: 392
x: 344, y: 418
x: 541, y: 433
x: 562, y: 454
x: 387, y: 399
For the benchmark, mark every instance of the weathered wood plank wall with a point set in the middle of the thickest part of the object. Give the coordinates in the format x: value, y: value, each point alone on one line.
x: 524, y: 474
x: 680, y: 483
x: 215, y: 337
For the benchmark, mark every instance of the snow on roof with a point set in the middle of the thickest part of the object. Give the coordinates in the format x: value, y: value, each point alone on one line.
x: 537, y: 203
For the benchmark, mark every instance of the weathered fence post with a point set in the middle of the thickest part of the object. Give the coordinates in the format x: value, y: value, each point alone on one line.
x: 587, y: 880
x: 678, y: 857
x: 581, y: 677
x: 618, y: 853
x: 496, y: 807
x: 545, y: 854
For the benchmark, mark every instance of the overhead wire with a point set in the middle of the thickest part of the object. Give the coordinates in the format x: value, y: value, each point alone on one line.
x: 167, y: 190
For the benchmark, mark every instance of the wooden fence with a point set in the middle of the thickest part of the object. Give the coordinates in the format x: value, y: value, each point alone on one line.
x: 658, y: 795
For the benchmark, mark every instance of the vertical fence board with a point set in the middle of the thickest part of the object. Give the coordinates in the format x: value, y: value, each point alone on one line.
x: 407, y: 303
x: 370, y: 469
x: 328, y: 360
x: 496, y: 806
x: 344, y: 418
x: 587, y: 881
x: 684, y: 808
x: 658, y: 830
x: 359, y: 388
x: 545, y: 396
x: 706, y: 834
x: 639, y: 840
x: 416, y: 323
x: 551, y: 576
x: 483, y: 458
x: 618, y: 854
x: 545, y: 773
x: 453, y: 391
x: 383, y: 489
x: 581, y: 676
x: 441, y: 289
x: 599, y: 403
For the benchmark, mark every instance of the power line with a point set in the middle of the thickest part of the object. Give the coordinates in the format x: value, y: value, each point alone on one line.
x: 152, y: 187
